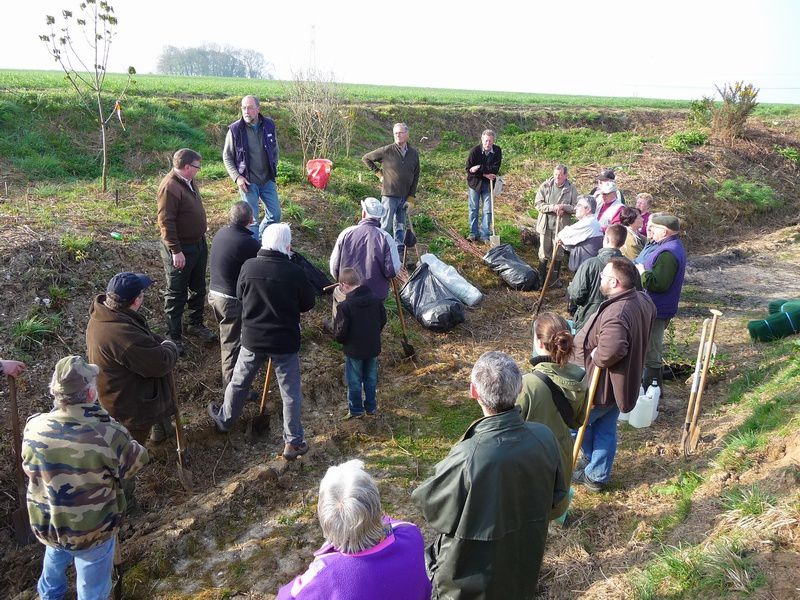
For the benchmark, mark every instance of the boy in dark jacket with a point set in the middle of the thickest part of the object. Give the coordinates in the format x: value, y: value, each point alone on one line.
x: 357, y: 325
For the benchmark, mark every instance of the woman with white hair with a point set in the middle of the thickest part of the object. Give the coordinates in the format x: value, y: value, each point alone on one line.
x: 366, y: 555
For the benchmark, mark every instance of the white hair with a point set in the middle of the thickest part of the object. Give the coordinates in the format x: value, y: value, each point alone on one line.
x: 349, y: 508
x: 497, y: 380
x: 277, y: 236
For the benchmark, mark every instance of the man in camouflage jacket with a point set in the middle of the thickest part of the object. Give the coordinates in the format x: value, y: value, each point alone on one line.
x: 76, y: 457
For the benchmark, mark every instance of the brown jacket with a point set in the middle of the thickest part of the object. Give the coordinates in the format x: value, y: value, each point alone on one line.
x: 181, y: 214
x: 620, y: 331
x: 133, y: 384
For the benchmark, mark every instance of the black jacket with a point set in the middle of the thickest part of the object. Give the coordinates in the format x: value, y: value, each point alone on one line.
x: 358, y: 323
x: 489, y: 164
x: 231, y: 246
x: 273, y: 292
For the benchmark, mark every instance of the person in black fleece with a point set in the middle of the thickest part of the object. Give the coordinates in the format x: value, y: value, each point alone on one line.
x: 357, y: 325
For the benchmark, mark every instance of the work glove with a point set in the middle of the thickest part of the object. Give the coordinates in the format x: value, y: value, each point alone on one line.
x: 410, y: 202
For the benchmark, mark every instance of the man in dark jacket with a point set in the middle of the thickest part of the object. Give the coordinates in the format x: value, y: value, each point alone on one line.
x: 613, y: 339
x: 250, y: 156
x: 357, y: 326
x: 662, y: 268
x: 584, y: 290
x: 273, y: 292
x: 490, y: 499
x: 483, y: 165
x: 135, y: 364
x: 183, y: 224
x: 230, y: 248
x: 399, y: 174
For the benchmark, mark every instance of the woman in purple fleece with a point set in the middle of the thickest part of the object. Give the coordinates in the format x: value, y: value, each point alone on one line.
x: 366, y: 555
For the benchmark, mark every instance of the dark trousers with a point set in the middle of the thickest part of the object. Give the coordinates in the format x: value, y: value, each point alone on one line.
x: 185, y: 286
x: 228, y: 312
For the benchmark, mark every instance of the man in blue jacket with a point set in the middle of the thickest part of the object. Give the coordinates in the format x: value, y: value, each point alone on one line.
x: 251, y: 159
x: 273, y: 292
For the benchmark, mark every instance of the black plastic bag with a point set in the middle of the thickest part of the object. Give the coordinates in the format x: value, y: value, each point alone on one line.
x: 317, y: 278
x: 518, y: 274
x: 431, y: 303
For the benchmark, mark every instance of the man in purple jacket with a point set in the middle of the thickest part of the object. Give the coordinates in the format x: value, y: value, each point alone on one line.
x: 662, y: 265
x: 369, y: 250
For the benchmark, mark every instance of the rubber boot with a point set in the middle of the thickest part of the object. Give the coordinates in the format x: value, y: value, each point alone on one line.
x: 542, y: 272
x: 161, y: 431
x: 554, y: 280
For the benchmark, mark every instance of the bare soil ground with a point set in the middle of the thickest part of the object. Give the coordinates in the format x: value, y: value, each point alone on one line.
x: 249, y: 528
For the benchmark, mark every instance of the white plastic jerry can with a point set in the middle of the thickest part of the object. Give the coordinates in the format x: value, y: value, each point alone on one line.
x: 654, y: 392
x: 642, y: 413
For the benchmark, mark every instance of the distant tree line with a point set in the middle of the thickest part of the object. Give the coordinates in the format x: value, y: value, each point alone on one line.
x: 214, y: 60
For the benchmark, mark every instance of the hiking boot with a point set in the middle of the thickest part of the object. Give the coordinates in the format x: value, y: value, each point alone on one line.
x: 581, y: 478
x: 178, y: 343
x: 213, y: 412
x: 203, y: 332
x: 161, y: 431
x: 292, y: 451
x: 348, y: 416
x: 372, y: 413
x: 472, y: 237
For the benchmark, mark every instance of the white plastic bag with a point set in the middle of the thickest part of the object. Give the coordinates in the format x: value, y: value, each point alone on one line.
x: 452, y: 280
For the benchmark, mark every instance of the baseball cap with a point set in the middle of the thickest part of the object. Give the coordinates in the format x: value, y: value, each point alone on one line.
x: 126, y: 286
x: 373, y: 207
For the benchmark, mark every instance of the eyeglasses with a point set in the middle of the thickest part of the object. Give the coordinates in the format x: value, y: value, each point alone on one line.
x: 195, y: 166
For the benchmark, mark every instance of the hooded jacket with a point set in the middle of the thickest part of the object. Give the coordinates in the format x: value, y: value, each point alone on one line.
x: 584, y: 289
x: 489, y: 501
x: 537, y: 406
x: 133, y: 384
x: 357, y: 325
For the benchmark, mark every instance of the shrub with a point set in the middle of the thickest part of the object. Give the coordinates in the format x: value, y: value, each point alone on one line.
x: 759, y: 196
x: 76, y: 245
x: 288, y: 172
x: 700, y: 111
x: 684, y: 141
x: 789, y: 153
x: 729, y: 117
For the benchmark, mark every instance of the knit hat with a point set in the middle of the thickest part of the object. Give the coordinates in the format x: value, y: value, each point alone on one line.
x: 671, y: 222
x: 127, y: 286
x: 373, y: 207
x: 72, y: 374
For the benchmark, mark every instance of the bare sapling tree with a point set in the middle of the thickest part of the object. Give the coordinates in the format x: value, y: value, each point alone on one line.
x: 317, y: 109
x: 84, y: 62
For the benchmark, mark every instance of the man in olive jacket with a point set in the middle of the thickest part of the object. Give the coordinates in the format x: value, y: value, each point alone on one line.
x: 614, y: 339
x: 490, y: 499
x: 555, y: 202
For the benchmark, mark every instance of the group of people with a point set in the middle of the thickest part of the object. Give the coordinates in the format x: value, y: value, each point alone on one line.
x: 489, y: 501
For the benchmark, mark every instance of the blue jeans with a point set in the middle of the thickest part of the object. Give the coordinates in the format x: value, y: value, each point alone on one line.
x: 475, y: 201
x: 93, y: 570
x: 361, y: 373
x: 394, y: 219
x: 287, y: 373
x: 268, y: 194
x: 600, y: 443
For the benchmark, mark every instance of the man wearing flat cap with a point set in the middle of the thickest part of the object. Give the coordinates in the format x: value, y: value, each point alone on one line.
x: 662, y: 264
x: 135, y: 364
x: 609, y: 199
x: 76, y: 457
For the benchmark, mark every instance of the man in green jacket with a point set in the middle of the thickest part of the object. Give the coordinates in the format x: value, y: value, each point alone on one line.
x: 490, y: 499
x: 555, y: 202
x: 584, y: 289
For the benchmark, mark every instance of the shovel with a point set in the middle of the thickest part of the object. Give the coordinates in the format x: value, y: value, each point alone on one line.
x: 185, y: 476
x: 546, y: 281
x: 408, y: 349
x: 19, y: 518
x: 694, y: 428
x: 687, y: 422
x: 259, y: 424
x: 576, y: 449
x: 494, y: 239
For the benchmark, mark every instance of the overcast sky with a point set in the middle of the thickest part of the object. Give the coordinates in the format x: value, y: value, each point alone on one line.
x: 676, y: 49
